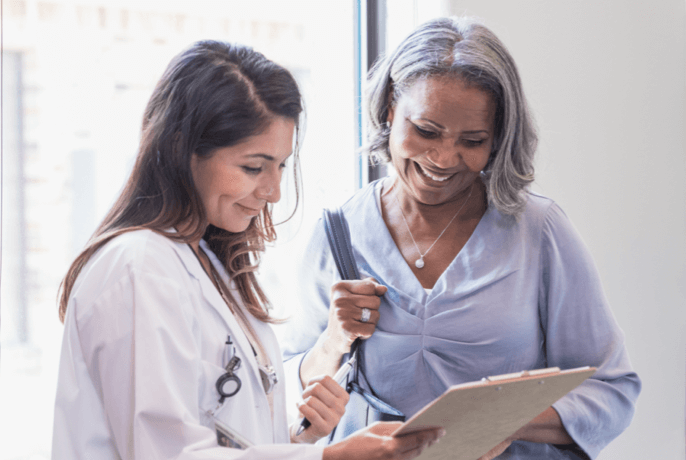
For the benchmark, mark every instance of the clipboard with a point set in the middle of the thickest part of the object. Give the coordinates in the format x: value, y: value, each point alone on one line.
x: 477, y: 416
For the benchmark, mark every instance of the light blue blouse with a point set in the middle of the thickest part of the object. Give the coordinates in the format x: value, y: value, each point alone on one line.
x: 522, y: 294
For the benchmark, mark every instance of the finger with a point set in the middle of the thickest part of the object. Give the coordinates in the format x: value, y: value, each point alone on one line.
x: 366, y: 286
x: 354, y: 329
x: 374, y: 316
x: 322, y: 418
x: 335, y: 400
x: 334, y: 387
x: 380, y: 289
x: 310, y: 413
x: 345, y: 300
x: 412, y: 453
x: 338, y: 397
x: 497, y: 450
x: 384, y: 428
x: 353, y: 316
x: 362, y: 330
x: 351, y: 320
x: 424, y: 437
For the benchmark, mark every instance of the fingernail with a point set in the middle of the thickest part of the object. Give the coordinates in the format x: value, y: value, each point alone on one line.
x: 441, y: 433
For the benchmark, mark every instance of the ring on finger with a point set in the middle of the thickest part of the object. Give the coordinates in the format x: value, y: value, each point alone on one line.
x: 366, y: 315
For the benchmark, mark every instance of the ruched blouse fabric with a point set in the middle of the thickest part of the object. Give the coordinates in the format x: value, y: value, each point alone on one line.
x: 523, y: 293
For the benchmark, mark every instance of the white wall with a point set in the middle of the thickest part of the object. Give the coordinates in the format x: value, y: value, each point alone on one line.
x: 606, y: 81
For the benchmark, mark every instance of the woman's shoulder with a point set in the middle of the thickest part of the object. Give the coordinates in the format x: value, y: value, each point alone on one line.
x: 129, y: 262
x: 545, y: 217
x: 136, y: 249
x: 545, y: 209
x: 131, y: 254
x: 540, y: 219
x: 361, y: 210
x: 537, y: 204
x: 540, y: 211
x: 362, y: 199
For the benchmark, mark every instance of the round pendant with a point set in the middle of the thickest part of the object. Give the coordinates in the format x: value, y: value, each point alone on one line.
x: 419, y: 263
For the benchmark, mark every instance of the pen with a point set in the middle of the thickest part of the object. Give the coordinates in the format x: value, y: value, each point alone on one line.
x: 229, y: 351
x: 339, y: 377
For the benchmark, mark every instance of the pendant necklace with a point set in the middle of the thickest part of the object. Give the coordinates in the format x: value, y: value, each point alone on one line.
x: 419, y: 263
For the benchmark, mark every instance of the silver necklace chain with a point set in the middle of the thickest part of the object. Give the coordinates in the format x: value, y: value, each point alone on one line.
x: 419, y: 263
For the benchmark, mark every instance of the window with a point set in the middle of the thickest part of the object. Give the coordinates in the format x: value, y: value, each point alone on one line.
x: 14, y: 231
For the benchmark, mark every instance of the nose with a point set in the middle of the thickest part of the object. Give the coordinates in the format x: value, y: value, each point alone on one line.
x: 445, y: 156
x: 270, y: 188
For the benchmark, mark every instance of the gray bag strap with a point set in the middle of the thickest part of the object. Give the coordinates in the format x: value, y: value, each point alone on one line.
x: 338, y: 233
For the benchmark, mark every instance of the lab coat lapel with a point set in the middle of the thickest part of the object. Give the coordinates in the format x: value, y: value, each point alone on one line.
x: 214, y: 298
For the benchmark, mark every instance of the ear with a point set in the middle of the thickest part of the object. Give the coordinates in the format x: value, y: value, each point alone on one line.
x: 195, y: 159
x: 391, y: 114
x: 391, y: 106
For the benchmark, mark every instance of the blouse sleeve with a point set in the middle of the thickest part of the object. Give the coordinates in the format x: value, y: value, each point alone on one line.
x: 311, y: 313
x: 581, y: 331
x: 138, y: 343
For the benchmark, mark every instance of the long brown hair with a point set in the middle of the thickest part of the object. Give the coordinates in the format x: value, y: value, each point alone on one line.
x: 211, y: 95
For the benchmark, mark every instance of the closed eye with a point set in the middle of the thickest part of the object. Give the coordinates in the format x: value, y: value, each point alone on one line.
x: 473, y: 142
x: 425, y: 132
x: 252, y: 171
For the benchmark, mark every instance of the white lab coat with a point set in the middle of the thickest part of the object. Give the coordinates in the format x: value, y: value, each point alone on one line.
x: 142, y: 349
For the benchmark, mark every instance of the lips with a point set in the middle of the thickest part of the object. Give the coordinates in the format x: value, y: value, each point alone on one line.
x: 435, y: 177
x: 249, y: 211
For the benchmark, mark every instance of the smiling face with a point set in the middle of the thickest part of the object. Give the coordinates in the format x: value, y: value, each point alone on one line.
x: 235, y: 183
x: 441, y: 138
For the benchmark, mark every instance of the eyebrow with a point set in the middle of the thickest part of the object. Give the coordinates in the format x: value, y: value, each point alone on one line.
x: 261, y: 155
x: 266, y: 156
x: 439, y: 126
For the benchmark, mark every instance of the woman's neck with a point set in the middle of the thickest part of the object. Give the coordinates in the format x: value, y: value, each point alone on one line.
x: 186, y: 228
x: 472, y: 202
x: 202, y: 257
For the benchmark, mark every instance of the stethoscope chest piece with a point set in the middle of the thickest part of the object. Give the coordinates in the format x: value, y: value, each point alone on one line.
x: 228, y: 383
x: 227, y: 386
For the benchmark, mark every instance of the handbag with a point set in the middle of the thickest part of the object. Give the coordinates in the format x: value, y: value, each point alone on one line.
x: 364, y: 407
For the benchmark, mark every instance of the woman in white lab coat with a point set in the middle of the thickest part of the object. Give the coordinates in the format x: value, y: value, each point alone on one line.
x: 167, y: 353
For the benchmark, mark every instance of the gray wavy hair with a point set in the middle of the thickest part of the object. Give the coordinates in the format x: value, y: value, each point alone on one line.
x: 465, y: 48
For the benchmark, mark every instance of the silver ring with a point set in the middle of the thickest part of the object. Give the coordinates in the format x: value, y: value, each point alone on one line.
x: 366, y: 314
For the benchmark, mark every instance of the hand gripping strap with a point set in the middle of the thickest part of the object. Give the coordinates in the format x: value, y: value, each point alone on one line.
x: 338, y: 234
x: 364, y: 407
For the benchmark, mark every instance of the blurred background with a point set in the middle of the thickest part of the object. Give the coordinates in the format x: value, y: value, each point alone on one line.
x: 606, y: 82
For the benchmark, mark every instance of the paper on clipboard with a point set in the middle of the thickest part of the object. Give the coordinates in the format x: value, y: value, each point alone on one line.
x: 477, y: 416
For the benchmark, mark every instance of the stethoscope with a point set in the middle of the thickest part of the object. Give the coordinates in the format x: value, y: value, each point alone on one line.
x: 229, y: 383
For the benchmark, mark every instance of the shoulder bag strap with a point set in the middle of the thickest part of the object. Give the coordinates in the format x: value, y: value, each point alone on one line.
x: 338, y: 234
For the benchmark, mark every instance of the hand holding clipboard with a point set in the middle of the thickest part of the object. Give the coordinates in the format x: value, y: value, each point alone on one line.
x: 477, y: 416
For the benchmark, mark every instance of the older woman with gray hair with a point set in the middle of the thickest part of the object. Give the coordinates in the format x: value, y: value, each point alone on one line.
x: 466, y: 272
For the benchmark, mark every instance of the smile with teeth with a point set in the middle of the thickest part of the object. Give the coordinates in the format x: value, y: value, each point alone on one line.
x: 433, y: 176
